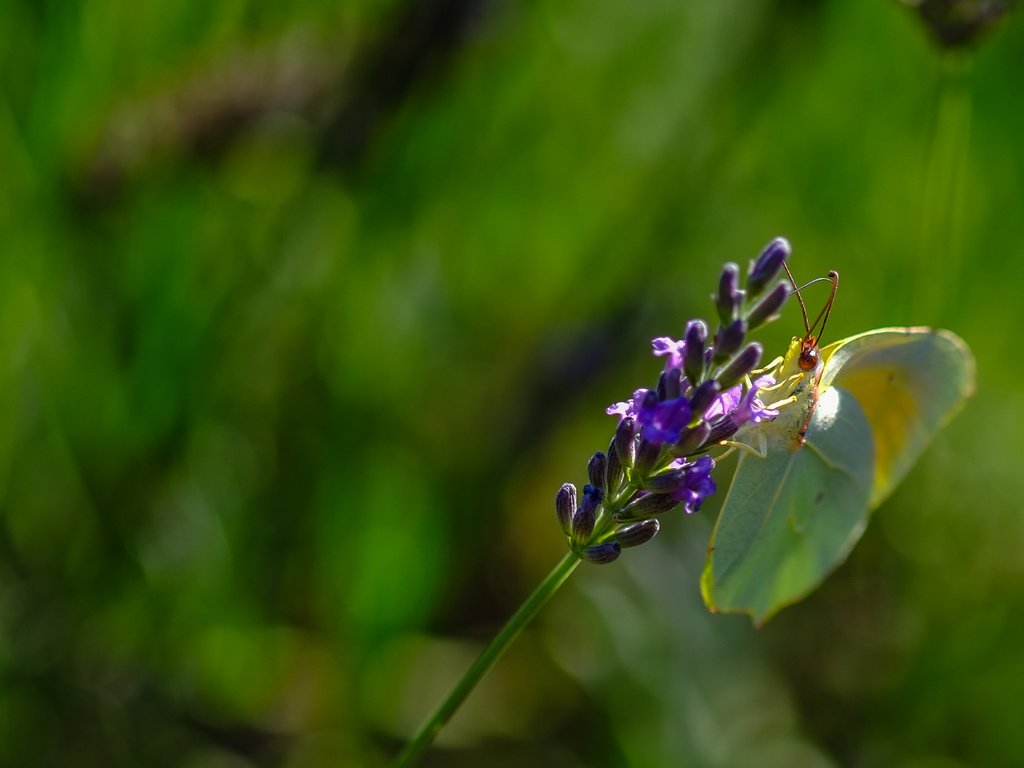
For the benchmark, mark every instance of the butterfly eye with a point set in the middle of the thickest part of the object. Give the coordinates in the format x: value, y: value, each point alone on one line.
x: 809, y: 359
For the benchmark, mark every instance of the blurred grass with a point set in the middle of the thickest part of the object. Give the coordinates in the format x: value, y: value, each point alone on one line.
x: 306, y: 311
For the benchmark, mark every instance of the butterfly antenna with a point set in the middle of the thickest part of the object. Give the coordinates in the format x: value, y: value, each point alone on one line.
x: 815, y: 280
x: 822, y: 317
x: 799, y: 298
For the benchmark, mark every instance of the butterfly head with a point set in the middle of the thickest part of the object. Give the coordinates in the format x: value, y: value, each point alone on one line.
x: 809, y: 356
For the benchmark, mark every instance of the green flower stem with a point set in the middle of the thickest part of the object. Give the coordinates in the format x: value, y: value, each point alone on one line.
x: 428, y: 731
x: 945, y: 185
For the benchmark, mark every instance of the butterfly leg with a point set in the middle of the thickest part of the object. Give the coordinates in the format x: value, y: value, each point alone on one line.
x: 761, y: 450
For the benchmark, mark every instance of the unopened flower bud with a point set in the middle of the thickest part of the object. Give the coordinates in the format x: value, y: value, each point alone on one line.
x: 767, y: 266
x: 625, y: 445
x: 637, y: 533
x: 565, y: 506
x: 767, y: 308
x: 740, y: 366
x: 729, y: 339
x: 647, y: 454
x: 692, y: 439
x: 959, y: 24
x: 596, y: 469
x: 729, y: 296
x: 592, y: 498
x: 602, y: 554
x: 647, y: 505
x: 613, y: 472
x: 721, y: 430
x: 693, y: 361
x: 669, y: 384
x: 704, y: 396
x: 586, y: 514
x: 665, y: 482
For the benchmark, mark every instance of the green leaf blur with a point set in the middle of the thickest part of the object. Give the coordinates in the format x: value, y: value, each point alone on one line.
x: 306, y: 311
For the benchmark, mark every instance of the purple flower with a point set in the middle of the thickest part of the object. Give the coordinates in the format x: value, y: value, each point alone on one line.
x: 627, y: 408
x: 697, y: 484
x: 724, y: 404
x: 742, y: 407
x: 661, y: 422
x: 676, y: 351
x: 750, y: 408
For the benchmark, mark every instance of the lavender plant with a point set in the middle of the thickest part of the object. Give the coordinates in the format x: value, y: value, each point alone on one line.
x: 660, y: 456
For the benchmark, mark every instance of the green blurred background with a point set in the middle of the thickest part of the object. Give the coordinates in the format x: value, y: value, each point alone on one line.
x: 307, y: 309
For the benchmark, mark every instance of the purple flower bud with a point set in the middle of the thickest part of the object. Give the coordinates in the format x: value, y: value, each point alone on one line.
x: 647, y: 454
x: 613, y: 473
x: 596, y: 469
x: 729, y: 296
x: 637, y: 533
x: 767, y: 308
x: 646, y: 505
x: 583, y: 525
x: 625, y: 445
x: 740, y: 365
x: 693, y: 360
x: 665, y: 482
x: 669, y: 384
x: 602, y: 554
x: 585, y: 517
x: 729, y: 339
x: 592, y: 498
x: 958, y: 24
x: 565, y: 506
x: 703, y: 396
x: 692, y: 439
x: 767, y: 266
x: 721, y: 430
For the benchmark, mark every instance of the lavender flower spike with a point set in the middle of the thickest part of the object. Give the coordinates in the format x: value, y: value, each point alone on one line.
x: 662, y: 453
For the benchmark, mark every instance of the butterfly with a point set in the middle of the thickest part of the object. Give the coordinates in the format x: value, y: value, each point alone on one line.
x: 854, y: 418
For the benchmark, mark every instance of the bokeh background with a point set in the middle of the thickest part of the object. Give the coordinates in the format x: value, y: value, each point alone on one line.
x: 307, y: 309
